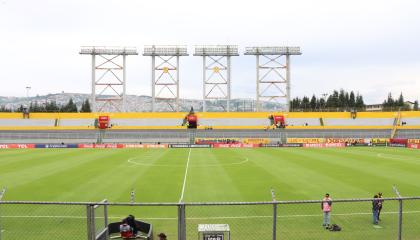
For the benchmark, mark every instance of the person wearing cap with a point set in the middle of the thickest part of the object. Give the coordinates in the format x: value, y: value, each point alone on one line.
x: 380, y: 202
x: 326, y: 208
x: 162, y: 236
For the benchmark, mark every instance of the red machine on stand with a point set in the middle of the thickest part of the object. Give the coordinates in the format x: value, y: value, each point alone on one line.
x: 278, y: 121
x: 191, y: 120
x: 103, y: 122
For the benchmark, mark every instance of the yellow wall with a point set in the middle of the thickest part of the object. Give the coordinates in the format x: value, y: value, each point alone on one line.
x: 214, y: 115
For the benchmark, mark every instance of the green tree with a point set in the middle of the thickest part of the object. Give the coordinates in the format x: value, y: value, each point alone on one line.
x: 352, y: 100
x: 69, y: 107
x: 416, y: 105
x: 313, y: 103
x: 360, y: 104
x: 400, y: 101
x: 86, y: 106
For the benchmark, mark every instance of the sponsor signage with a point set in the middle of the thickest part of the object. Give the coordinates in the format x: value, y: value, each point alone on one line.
x: 271, y: 145
x: 234, y: 145
x: 145, y: 145
x: 56, y: 145
x: 100, y: 145
x: 345, y: 140
x: 190, y: 146
x: 414, y: 145
x: 323, y: 145
x: 399, y: 140
x: 397, y: 145
x: 17, y: 146
x: 291, y: 145
x: 305, y: 140
x: 416, y: 141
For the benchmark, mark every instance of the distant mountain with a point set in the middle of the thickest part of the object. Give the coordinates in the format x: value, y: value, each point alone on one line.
x: 141, y: 103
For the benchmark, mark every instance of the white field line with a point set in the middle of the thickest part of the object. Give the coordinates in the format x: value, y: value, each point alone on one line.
x: 185, y: 176
x: 209, y: 218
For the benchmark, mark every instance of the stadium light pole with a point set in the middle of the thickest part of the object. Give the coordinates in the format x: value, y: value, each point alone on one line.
x: 273, y: 73
x: 108, y: 76
x: 216, y: 72
x: 165, y: 73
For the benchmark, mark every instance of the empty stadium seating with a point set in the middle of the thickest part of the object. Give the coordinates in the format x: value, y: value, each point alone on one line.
x: 358, y: 122
x: 146, y: 122
x: 27, y: 122
x: 234, y: 122
x: 303, y: 122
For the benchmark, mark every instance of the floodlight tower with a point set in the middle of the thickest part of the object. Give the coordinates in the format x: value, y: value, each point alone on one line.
x: 273, y: 73
x: 108, y: 77
x: 216, y: 72
x: 165, y: 73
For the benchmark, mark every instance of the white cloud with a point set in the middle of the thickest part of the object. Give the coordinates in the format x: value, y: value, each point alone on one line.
x: 368, y: 46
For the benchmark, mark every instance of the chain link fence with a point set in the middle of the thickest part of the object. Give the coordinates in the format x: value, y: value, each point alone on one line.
x: 276, y: 220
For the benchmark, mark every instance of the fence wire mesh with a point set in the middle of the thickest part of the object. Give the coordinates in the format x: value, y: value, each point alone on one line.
x: 43, y: 222
x: 299, y: 220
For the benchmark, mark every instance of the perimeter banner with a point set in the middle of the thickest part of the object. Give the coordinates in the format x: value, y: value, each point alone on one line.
x: 305, y: 140
x: 100, y: 145
x: 414, y: 145
x: 56, y: 145
x: 345, y: 140
x: 190, y: 146
x: 235, y: 145
x: 416, y: 141
x: 17, y: 145
x: 145, y: 145
x: 323, y: 145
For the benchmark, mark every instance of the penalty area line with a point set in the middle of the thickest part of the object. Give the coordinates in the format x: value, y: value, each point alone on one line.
x: 185, y: 176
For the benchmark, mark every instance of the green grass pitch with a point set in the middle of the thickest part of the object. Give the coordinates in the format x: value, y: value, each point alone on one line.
x: 211, y: 175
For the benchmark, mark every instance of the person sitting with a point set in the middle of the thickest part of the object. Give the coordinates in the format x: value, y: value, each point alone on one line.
x: 125, y: 230
x: 131, y: 221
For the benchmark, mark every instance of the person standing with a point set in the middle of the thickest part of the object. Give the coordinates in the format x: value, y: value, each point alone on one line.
x: 326, y: 209
x: 375, y: 209
x: 380, y: 203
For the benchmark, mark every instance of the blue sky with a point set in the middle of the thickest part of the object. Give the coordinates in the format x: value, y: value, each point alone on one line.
x: 368, y: 46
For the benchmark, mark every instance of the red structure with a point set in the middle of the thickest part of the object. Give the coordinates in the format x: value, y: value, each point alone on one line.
x: 279, y: 121
x: 103, y: 122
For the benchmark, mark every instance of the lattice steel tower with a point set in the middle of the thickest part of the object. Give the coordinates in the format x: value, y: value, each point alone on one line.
x: 108, y: 77
x: 165, y: 73
x: 273, y: 73
x: 216, y: 72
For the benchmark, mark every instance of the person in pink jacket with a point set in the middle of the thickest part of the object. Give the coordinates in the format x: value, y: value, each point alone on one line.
x: 326, y: 208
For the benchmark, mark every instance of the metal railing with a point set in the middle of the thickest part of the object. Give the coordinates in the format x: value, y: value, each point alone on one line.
x: 247, y: 220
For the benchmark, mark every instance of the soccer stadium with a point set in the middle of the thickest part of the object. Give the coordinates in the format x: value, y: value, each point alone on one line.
x: 111, y: 166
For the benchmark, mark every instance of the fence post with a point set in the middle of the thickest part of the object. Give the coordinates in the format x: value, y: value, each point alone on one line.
x: 1, y: 223
x: 274, y: 221
x: 400, y: 211
x: 400, y: 216
x: 106, y: 218
x: 273, y: 196
x: 181, y: 222
x: 90, y: 222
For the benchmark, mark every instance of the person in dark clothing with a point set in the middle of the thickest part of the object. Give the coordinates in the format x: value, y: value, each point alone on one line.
x: 380, y: 203
x: 132, y: 223
x: 375, y: 209
x: 162, y: 236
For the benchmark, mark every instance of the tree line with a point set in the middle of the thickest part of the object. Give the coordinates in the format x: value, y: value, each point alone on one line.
x: 337, y: 101
x: 341, y: 100
x: 52, y: 106
x: 391, y: 104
